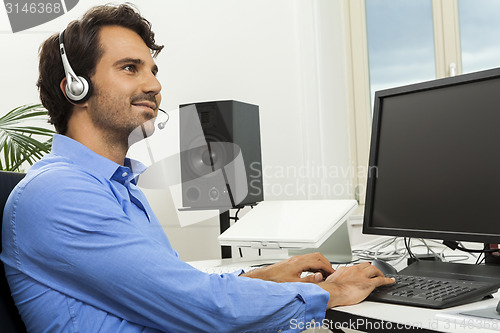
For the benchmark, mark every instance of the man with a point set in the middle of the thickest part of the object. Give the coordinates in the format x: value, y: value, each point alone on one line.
x: 82, y: 249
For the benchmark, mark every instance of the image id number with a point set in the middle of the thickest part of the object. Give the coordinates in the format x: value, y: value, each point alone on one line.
x: 33, y: 8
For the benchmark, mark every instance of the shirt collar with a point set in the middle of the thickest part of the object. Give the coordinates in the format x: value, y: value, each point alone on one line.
x: 89, y: 160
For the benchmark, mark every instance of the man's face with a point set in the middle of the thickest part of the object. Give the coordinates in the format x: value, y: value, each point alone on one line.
x: 126, y: 91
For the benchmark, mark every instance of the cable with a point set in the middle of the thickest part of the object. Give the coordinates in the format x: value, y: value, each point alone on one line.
x: 381, y: 250
x: 459, y: 246
x: 408, y: 249
x: 398, y: 249
x: 482, y: 257
x: 235, y: 218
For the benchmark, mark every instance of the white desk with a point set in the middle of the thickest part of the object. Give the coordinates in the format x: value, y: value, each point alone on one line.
x: 381, y: 317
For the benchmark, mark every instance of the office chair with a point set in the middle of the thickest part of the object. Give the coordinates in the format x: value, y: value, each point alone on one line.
x: 10, y: 319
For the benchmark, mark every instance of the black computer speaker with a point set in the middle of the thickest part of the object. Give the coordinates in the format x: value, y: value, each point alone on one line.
x: 221, y: 164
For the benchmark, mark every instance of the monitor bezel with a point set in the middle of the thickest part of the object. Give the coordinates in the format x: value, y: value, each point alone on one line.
x: 368, y: 227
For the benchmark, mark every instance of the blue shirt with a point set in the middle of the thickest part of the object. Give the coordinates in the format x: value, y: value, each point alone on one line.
x: 83, y: 252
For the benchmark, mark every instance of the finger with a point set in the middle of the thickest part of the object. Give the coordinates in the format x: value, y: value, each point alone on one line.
x: 324, y: 273
x: 316, y: 262
x: 381, y: 280
x: 312, y: 278
x: 373, y: 271
x: 325, y: 270
x: 318, y: 277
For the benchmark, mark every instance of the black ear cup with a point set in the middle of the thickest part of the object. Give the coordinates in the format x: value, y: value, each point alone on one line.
x: 78, y: 88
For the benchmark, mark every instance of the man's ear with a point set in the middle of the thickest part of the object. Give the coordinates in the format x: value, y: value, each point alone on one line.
x: 62, y: 86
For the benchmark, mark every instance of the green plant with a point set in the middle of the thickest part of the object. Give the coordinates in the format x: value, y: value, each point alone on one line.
x: 18, y: 139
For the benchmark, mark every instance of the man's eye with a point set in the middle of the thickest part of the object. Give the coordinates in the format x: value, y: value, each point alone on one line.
x: 130, y: 68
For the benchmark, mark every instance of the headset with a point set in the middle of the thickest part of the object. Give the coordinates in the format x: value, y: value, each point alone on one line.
x: 78, y: 88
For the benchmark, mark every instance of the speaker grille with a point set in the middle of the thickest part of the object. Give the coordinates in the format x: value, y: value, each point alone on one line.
x: 220, y: 154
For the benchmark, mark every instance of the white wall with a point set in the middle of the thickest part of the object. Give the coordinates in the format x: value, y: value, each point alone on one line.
x: 287, y: 56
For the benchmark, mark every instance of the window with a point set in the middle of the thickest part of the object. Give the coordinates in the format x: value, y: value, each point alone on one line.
x: 392, y: 43
x: 479, y: 30
x: 400, y: 43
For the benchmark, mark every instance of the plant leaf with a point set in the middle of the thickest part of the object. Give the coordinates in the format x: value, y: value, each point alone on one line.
x: 17, y: 140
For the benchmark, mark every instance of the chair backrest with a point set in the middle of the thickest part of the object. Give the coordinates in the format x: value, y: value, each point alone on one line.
x: 10, y: 320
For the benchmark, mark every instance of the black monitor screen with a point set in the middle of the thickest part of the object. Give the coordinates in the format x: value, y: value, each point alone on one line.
x: 435, y: 160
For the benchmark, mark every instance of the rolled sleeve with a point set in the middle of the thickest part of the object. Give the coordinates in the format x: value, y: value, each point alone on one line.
x: 315, y: 299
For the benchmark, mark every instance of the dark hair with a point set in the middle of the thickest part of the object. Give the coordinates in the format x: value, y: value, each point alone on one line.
x: 81, y: 41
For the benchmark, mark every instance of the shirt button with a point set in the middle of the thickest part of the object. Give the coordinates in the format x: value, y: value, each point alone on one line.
x: 124, y: 174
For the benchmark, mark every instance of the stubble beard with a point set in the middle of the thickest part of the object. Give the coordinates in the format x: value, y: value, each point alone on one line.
x: 115, y: 119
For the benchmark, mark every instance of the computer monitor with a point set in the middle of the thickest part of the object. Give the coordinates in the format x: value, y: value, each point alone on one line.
x: 434, y: 166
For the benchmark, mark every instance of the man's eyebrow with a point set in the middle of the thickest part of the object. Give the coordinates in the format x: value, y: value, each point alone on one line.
x: 136, y: 61
x: 128, y: 61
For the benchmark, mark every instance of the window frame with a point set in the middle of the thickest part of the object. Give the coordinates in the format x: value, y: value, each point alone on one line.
x: 447, y: 54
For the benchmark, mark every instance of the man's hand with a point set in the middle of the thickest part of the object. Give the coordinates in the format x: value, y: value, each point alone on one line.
x: 290, y: 270
x: 351, y: 285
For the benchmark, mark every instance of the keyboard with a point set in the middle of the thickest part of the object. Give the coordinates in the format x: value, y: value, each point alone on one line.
x: 224, y: 269
x: 431, y: 292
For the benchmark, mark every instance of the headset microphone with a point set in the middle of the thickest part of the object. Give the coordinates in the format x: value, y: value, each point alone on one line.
x: 161, y: 125
x: 78, y: 88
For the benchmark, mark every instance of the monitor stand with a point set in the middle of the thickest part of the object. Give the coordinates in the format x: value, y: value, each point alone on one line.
x: 453, y: 270
x: 337, y: 248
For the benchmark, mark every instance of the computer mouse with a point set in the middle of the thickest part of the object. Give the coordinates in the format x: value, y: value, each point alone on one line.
x: 384, y: 266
